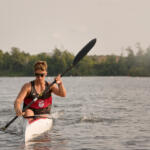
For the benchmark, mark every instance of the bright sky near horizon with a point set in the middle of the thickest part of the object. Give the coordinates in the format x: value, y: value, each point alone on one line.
x: 37, y: 26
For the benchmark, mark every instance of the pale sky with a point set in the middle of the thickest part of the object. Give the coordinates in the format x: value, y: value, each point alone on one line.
x: 37, y: 26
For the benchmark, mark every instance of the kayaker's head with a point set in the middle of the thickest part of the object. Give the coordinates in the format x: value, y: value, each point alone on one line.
x: 40, y: 69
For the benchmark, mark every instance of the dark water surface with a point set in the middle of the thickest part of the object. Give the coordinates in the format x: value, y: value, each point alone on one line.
x: 99, y: 113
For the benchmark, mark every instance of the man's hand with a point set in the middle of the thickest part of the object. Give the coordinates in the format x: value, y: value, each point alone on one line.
x: 19, y: 112
x: 58, y: 79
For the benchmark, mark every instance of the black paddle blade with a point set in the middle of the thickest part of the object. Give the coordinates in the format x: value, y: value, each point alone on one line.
x: 84, y: 51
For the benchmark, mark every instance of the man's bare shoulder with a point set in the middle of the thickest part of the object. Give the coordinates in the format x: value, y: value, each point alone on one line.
x: 27, y: 86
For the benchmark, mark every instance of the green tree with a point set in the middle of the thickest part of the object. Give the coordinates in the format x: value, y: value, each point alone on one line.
x: 1, y: 59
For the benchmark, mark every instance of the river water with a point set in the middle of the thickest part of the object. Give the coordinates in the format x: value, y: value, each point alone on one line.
x: 99, y: 113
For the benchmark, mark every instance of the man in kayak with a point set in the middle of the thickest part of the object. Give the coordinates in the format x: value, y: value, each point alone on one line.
x: 38, y: 88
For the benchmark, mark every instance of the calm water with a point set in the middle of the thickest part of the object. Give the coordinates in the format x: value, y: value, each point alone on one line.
x: 99, y: 113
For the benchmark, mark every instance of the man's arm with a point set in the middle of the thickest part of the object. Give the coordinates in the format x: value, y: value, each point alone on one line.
x: 22, y: 94
x: 60, y: 90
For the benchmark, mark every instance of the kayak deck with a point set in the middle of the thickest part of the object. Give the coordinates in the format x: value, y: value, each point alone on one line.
x: 36, y: 127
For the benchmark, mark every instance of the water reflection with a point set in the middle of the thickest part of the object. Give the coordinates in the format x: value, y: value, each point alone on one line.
x: 46, y: 142
x: 39, y: 144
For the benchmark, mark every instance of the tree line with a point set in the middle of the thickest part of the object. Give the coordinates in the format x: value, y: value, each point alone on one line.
x: 20, y: 63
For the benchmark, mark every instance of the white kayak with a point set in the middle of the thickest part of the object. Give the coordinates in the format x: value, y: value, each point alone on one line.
x: 36, y: 127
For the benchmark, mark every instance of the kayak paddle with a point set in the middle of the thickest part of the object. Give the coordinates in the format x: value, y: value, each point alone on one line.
x: 77, y: 58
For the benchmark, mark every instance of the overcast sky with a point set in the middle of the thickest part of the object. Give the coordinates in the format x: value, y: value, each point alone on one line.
x: 37, y: 26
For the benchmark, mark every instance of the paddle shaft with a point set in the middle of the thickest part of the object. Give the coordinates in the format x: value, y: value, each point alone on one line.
x: 8, y: 124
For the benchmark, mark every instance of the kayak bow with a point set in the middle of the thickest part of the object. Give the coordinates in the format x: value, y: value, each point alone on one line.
x: 36, y: 127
